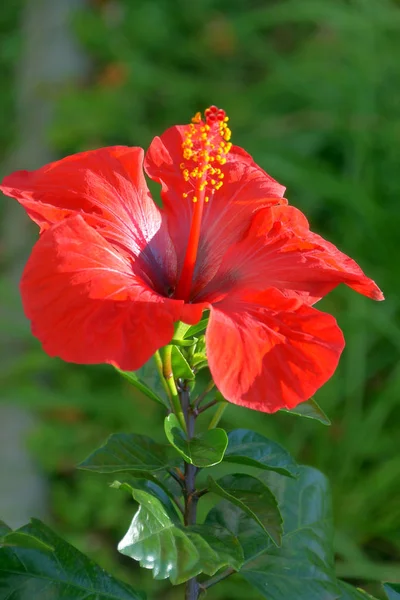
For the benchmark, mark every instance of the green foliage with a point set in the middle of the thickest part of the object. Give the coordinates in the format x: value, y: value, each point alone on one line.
x: 27, y: 572
x: 249, y: 448
x: 313, y: 92
x: 253, y: 497
x: 129, y: 452
x: 310, y: 410
x: 158, y: 540
x: 203, y: 450
x: 392, y: 590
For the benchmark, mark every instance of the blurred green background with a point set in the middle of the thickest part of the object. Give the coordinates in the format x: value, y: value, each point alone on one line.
x: 312, y: 88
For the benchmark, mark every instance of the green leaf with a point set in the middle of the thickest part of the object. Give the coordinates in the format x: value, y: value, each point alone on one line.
x: 302, y: 567
x: 180, y: 365
x: 157, y: 395
x: 247, y: 447
x: 4, y: 528
x: 24, y: 540
x: 196, y: 329
x: 129, y: 452
x: 392, y: 590
x: 203, y: 450
x: 310, y: 410
x: 129, y: 484
x: 27, y: 574
x: 253, y: 497
x: 348, y: 592
x: 161, y: 543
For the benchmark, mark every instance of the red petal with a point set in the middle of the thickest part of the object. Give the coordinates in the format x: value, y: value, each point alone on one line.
x: 268, y: 352
x: 227, y: 215
x: 279, y: 251
x: 87, y: 302
x: 108, y: 189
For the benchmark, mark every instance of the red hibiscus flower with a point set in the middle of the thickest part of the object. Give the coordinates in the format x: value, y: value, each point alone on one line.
x: 111, y: 272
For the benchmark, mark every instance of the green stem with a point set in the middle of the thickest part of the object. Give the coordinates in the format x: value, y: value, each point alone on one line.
x: 217, y: 578
x: 192, y: 588
x: 170, y: 381
x: 160, y: 369
x: 218, y: 414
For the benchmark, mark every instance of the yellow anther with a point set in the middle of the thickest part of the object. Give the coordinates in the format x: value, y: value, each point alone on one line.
x: 204, y: 147
x: 184, y: 195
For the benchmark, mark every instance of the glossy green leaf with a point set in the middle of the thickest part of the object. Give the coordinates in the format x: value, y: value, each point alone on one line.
x: 180, y: 365
x: 310, y: 410
x: 129, y: 484
x: 129, y: 452
x: 22, y: 539
x: 160, y: 542
x: 302, y: 567
x: 133, y: 378
x: 392, y: 590
x: 253, y: 497
x: 28, y: 574
x: 203, y: 450
x: 200, y: 327
x: 247, y: 447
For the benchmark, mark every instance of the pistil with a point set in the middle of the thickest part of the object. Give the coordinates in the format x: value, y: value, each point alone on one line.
x: 204, y: 148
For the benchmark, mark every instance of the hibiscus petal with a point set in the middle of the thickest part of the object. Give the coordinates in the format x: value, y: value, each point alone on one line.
x: 108, y: 189
x: 268, y: 352
x: 280, y: 251
x: 227, y: 215
x: 88, y: 304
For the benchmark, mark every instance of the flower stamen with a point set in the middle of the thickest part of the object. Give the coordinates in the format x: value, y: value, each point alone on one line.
x: 205, y: 146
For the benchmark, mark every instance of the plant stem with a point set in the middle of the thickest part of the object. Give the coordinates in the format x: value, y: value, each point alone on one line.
x: 160, y: 369
x: 217, y: 415
x: 192, y: 589
x: 217, y: 578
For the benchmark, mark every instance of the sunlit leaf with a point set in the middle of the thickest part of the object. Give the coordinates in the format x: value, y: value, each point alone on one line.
x: 203, y: 450
x: 133, y: 378
x: 253, y: 497
x: 310, y: 410
x: 253, y: 449
x: 180, y: 365
x: 27, y: 574
x: 200, y: 327
x: 161, y: 543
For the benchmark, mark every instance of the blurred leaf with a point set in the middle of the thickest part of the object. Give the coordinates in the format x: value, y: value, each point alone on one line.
x: 163, y: 544
x: 247, y: 447
x: 129, y: 452
x: 310, y: 410
x: 65, y: 573
x: 180, y: 365
x: 392, y: 590
x: 253, y: 497
x: 203, y: 450
x: 348, y: 592
x: 142, y: 387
